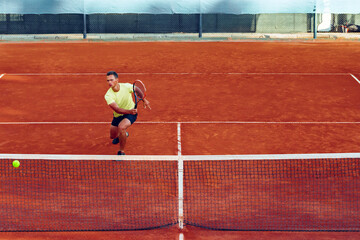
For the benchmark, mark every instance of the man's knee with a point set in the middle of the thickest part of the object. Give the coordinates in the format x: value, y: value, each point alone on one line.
x: 122, y: 128
x: 124, y: 125
x: 113, y: 132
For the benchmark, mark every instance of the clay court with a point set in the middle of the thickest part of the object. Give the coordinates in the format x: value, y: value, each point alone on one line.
x: 218, y: 98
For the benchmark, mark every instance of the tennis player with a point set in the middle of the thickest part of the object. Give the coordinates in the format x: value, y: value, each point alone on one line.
x: 119, y: 98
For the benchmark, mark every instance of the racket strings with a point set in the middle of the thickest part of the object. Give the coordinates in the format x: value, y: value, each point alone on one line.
x: 140, y: 87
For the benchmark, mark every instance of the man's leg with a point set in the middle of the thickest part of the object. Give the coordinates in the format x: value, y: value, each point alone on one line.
x: 124, y: 124
x: 114, y: 134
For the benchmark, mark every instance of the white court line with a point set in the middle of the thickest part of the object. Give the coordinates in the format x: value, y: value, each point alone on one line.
x: 184, y: 157
x: 170, y: 122
x: 180, y: 179
x: 75, y: 157
x: 53, y: 74
x: 355, y: 78
x: 270, y: 156
x: 2, y: 75
x: 172, y: 73
x: 179, y: 138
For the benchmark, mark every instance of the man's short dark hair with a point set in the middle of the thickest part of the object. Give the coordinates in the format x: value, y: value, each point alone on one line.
x: 112, y: 73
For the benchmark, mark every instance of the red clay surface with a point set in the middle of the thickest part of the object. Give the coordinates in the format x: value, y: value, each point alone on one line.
x: 210, y: 93
x: 273, y: 114
x: 269, y: 138
x: 86, y: 139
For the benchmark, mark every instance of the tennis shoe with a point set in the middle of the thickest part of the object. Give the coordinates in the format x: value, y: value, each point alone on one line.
x: 116, y: 140
x: 120, y: 153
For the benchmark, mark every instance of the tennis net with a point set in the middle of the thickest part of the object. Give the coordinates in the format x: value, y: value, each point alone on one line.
x: 297, y: 192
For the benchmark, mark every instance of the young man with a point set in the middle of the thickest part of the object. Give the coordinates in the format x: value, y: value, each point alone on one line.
x: 119, y: 98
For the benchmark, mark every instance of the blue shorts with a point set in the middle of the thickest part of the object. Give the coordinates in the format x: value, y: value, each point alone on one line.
x: 116, y: 120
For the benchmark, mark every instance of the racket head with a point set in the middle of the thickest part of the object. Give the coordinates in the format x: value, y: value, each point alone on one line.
x: 138, y: 85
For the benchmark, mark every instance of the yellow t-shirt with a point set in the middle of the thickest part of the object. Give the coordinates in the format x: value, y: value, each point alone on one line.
x: 123, y: 97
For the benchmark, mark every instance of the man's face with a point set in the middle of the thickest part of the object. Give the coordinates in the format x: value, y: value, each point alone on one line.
x: 112, y: 81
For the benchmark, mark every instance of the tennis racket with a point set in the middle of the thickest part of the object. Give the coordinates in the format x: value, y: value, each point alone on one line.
x: 139, y: 91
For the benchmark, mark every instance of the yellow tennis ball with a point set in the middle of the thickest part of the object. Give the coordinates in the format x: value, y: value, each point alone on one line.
x: 16, y: 163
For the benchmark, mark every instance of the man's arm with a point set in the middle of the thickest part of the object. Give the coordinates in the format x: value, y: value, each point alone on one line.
x: 146, y: 104
x: 115, y: 107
